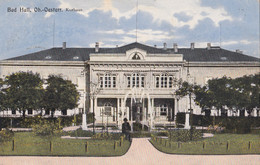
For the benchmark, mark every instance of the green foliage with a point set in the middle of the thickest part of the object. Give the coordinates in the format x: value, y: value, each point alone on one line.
x: 138, y: 127
x: 6, y: 135
x: 163, y: 133
x: 141, y: 134
x: 239, y: 93
x: 81, y: 133
x: 184, y: 135
x: 46, y: 128
x: 105, y: 135
x: 24, y: 91
x: 60, y: 94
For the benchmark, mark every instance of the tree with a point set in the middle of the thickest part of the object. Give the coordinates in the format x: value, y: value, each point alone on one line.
x: 2, y: 98
x: 60, y: 94
x: 247, y: 92
x: 24, y: 91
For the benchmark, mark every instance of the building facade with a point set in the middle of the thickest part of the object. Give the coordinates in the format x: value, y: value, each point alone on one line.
x: 134, y: 81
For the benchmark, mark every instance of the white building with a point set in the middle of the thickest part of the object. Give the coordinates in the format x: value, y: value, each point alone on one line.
x: 134, y: 81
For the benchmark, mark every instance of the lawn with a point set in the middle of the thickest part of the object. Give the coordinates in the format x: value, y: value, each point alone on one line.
x: 26, y: 143
x: 219, y: 144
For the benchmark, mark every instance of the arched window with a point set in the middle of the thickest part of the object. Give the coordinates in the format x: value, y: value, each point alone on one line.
x: 136, y: 57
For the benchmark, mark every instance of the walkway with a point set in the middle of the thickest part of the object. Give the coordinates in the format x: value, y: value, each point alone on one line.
x: 141, y: 152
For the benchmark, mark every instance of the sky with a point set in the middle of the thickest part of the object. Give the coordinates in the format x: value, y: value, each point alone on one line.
x: 231, y: 24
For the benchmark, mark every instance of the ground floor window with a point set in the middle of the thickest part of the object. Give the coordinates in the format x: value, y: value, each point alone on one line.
x: 163, y: 109
x: 47, y: 112
x: 30, y: 112
x: 64, y: 112
x: 13, y: 112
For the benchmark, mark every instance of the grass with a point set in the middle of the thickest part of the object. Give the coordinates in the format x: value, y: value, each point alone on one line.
x: 26, y: 143
x: 219, y: 144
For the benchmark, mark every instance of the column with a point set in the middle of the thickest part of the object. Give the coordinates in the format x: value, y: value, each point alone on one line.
x: 187, y: 121
x: 95, y: 106
x: 117, y: 112
x: 91, y: 105
x: 176, y: 108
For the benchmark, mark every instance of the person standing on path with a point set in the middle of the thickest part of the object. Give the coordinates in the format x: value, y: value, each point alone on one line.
x: 126, y: 128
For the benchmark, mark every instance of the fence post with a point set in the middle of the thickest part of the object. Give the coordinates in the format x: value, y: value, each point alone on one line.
x: 115, y: 145
x: 86, y: 147
x: 204, y: 145
x: 13, y: 145
x: 228, y: 145
x: 121, y: 140
x: 249, y: 145
x: 160, y: 140
x: 50, y: 146
x: 170, y: 144
x: 179, y: 144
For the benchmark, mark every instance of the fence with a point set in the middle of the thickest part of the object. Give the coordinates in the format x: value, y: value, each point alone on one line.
x: 55, y: 147
x: 207, y: 146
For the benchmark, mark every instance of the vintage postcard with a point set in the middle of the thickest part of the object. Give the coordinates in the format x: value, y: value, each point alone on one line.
x: 129, y: 82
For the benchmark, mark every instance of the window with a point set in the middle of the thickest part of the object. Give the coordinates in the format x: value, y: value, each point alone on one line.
x: 47, y: 112
x: 64, y: 112
x: 163, y: 109
x: 164, y: 81
x: 107, y: 81
x: 135, y: 80
x: 107, y: 109
x: 128, y: 81
x: 30, y: 112
x: 13, y: 112
x: 101, y: 82
x: 136, y: 57
x: 48, y: 57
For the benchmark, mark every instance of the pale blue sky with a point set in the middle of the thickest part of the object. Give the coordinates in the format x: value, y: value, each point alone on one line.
x: 113, y: 22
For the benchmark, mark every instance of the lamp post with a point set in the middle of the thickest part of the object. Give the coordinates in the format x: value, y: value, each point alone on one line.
x: 84, y: 114
x: 94, y: 91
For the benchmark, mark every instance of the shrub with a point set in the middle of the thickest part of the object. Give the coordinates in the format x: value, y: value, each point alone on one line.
x: 140, y: 134
x: 138, y: 127
x: 46, y: 128
x: 6, y: 135
x: 163, y: 133
x: 81, y: 133
x: 105, y: 135
x: 184, y: 135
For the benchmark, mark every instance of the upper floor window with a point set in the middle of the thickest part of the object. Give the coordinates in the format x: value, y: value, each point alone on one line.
x: 107, y: 81
x: 136, y: 57
x: 135, y: 80
x: 164, y: 81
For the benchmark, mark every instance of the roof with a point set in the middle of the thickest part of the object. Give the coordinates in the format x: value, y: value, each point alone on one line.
x: 215, y: 54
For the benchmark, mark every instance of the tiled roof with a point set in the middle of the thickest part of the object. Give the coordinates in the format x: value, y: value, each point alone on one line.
x: 215, y: 54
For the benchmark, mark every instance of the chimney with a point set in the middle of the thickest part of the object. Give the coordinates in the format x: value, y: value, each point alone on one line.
x: 239, y: 51
x: 155, y: 46
x: 192, y: 45
x: 64, y: 45
x: 116, y: 46
x: 208, y: 46
x: 96, y: 47
x: 164, y: 46
x: 175, y: 47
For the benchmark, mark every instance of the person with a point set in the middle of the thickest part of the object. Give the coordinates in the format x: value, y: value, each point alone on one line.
x: 126, y: 128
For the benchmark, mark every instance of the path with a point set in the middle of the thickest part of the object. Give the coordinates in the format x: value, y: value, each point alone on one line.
x: 141, y: 152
